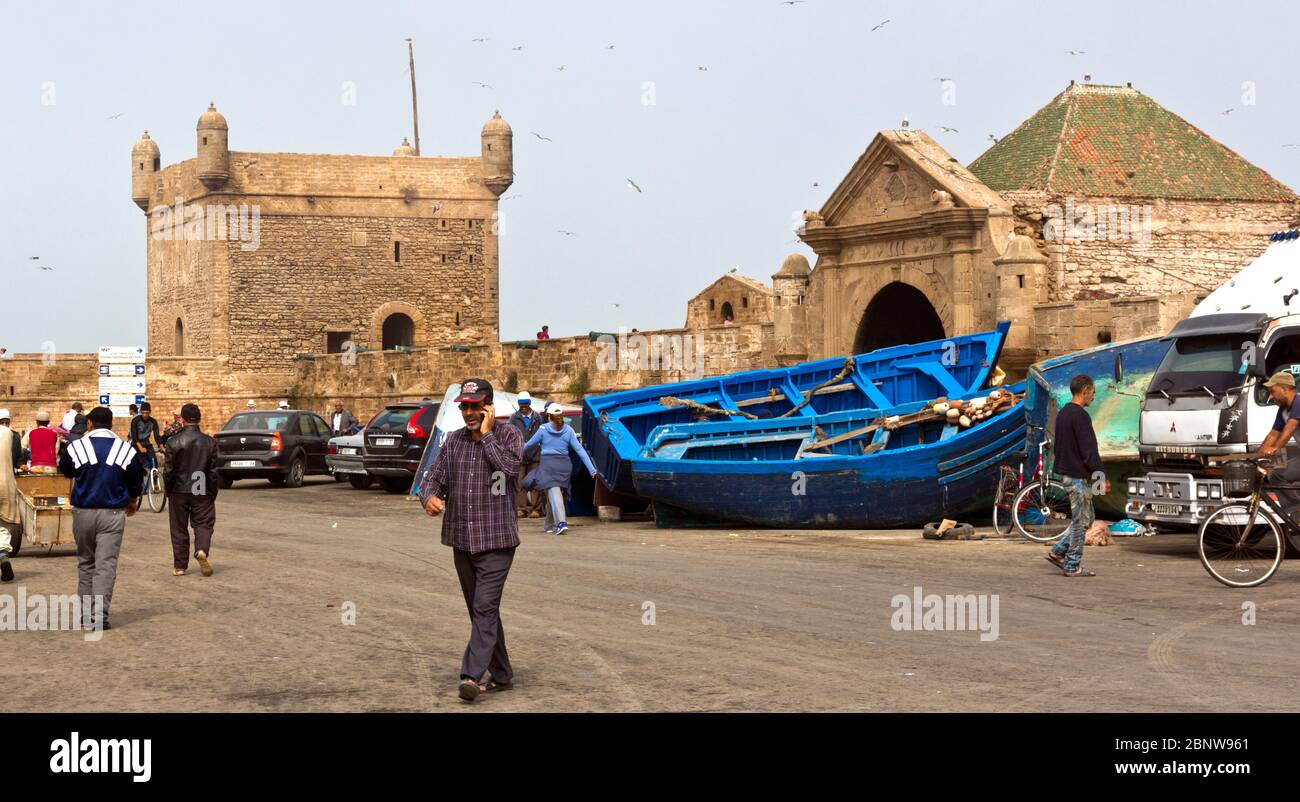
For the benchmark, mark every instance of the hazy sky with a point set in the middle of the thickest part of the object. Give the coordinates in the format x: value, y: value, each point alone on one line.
x: 726, y: 156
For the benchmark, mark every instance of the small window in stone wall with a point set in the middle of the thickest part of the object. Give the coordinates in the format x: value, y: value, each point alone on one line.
x: 336, y: 341
x: 444, y: 223
x: 800, y: 300
x: 744, y: 302
x: 710, y: 304
x: 156, y: 163
x: 397, y: 250
x: 471, y: 258
x: 458, y: 319
x: 444, y: 258
x: 1021, y: 279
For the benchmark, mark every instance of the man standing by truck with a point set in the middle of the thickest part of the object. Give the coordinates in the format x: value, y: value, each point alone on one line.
x: 1078, y: 461
x: 1282, y: 392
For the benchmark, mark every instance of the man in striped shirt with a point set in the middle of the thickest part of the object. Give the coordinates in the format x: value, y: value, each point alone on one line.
x: 473, y: 480
x: 106, y: 481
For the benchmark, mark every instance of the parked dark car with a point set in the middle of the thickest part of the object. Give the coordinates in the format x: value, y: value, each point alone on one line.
x: 395, y: 441
x: 282, y: 445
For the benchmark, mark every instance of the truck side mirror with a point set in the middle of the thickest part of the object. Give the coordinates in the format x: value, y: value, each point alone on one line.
x: 1119, y: 367
x: 1256, y: 369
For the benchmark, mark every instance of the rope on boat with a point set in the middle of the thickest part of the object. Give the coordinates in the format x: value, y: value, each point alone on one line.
x: 674, y: 401
x: 808, y: 396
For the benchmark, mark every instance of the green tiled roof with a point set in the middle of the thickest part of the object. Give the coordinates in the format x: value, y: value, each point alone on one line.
x: 1115, y: 141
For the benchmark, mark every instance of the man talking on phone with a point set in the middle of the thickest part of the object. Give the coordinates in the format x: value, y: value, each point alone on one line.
x: 473, y: 482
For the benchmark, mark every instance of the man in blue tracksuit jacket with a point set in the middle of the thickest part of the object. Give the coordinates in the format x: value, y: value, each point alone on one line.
x: 107, y: 477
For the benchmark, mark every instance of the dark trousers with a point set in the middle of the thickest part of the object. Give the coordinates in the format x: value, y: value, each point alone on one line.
x: 482, y: 580
x: 186, y: 509
x: 528, y: 501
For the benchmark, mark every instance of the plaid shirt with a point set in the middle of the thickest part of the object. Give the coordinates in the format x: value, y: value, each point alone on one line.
x: 464, y: 475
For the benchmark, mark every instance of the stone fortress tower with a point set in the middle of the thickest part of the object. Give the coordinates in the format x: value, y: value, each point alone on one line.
x: 259, y: 257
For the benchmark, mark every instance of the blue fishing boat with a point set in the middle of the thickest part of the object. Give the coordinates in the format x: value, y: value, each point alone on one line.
x: 846, y: 469
x: 1121, y: 372
x: 617, y: 426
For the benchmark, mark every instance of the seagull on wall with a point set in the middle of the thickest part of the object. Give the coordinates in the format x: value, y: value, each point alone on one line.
x: 994, y: 139
x: 905, y: 123
x: 735, y: 269
x: 633, y: 185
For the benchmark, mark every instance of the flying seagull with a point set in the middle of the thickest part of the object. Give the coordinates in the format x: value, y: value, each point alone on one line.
x: 540, y: 137
x: 1076, y: 52
x: 566, y: 233
x: 790, y: 2
x: 483, y: 85
x: 994, y: 139
x: 611, y: 47
x: 1227, y: 111
x: 560, y: 68
x: 941, y: 80
x: 633, y: 185
x: 1285, y: 146
x: 881, y: 25
x: 33, y: 258
x: 816, y: 184
x: 702, y: 69
x: 437, y: 206
x: 115, y: 116
x: 733, y: 270
x: 480, y: 39
x: 521, y: 47
x: 948, y: 130
x: 46, y: 267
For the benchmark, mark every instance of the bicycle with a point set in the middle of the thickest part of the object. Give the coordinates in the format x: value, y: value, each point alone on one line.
x: 1041, y: 510
x: 1241, y: 544
x: 155, y: 489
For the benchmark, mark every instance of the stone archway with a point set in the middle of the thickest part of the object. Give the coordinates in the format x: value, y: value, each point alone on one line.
x: 897, y: 314
x: 398, y: 330
x: 397, y: 323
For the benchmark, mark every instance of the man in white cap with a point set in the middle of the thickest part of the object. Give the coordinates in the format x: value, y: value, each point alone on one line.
x: 11, y: 456
x: 1282, y: 392
x: 529, y: 503
x: 282, y: 405
x: 42, y: 443
x: 250, y: 405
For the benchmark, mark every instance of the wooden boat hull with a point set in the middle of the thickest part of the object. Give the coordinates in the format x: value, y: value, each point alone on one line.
x: 616, y: 425
x: 953, y: 478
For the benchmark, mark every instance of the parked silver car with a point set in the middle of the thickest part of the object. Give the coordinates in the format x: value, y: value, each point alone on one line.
x: 343, y: 455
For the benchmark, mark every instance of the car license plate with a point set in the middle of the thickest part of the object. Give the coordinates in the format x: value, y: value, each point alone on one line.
x: 243, y: 463
x: 347, y: 451
x: 385, y: 441
x: 1167, y: 509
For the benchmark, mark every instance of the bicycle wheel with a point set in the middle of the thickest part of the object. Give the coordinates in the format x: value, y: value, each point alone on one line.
x: 155, y: 490
x: 1042, y: 516
x: 1239, y: 548
x: 1003, y: 504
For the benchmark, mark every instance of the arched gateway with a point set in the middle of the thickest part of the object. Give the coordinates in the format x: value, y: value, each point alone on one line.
x: 898, y: 314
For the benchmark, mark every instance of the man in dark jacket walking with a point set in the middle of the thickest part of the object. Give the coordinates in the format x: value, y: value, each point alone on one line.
x: 1079, y: 463
x: 106, y: 480
x: 190, y: 476
x: 529, y: 502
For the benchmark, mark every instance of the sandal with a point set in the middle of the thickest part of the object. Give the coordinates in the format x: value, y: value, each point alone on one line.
x: 1078, y: 572
x: 178, y: 572
x: 1059, y: 562
x: 469, y: 690
x: 493, y: 686
x: 204, y: 565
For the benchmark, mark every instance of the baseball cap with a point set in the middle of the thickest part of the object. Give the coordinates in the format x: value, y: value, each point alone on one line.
x: 42, y: 417
x: 475, y: 391
x: 1281, y: 378
x: 4, y: 414
x: 554, y: 409
x: 525, y: 398
x: 190, y: 412
x: 282, y: 405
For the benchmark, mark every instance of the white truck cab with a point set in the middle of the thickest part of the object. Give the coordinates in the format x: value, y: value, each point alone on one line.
x: 1206, y: 400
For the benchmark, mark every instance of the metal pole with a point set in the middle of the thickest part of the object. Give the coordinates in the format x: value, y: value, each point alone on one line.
x: 415, y: 109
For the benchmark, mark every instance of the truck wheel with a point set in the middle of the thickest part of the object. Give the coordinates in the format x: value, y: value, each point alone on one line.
x: 338, y: 477
x: 395, y: 485
x: 361, y: 482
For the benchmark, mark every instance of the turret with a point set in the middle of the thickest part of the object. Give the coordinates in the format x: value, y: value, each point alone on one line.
x: 498, y: 155
x: 145, y: 164
x: 404, y: 149
x: 790, y: 315
x: 214, y: 148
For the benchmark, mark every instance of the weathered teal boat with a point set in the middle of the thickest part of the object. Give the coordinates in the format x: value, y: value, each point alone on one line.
x: 1121, y: 372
